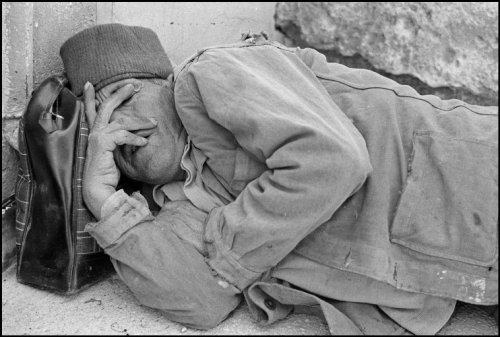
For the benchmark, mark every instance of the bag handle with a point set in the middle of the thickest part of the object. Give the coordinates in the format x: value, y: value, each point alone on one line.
x: 7, y: 202
x: 49, y: 119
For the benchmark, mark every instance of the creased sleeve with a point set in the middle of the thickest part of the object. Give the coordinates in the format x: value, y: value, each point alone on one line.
x: 119, y: 213
x: 278, y: 112
x: 157, y: 258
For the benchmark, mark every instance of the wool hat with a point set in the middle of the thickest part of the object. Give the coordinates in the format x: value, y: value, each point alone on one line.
x: 107, y: 53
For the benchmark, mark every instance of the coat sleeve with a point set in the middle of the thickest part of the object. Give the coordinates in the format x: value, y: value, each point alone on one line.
x: 159, y: 259
x: 279, y: 112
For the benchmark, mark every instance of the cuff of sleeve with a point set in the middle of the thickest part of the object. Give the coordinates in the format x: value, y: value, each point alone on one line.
x: 221, y: 259
x: 120, y: 212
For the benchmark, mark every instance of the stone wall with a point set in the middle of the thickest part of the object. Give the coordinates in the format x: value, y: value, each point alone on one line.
x: 185, y: 27
x: 449, y: 49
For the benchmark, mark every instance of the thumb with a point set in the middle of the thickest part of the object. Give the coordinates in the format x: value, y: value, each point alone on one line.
x: 89, y: 103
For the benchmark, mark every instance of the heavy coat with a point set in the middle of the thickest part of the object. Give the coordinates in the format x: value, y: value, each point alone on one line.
x: 364, y: 174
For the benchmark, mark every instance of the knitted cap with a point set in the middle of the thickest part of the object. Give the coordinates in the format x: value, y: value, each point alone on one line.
x: 108, y: 53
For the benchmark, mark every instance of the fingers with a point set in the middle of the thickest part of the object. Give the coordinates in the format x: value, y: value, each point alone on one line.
x: 123, y: 137
x: 108, y: 141
x: 133, y: 124
x: 98, y: 111
x: 109, y: 89
x: 107, y: 107
x: 89, y: 103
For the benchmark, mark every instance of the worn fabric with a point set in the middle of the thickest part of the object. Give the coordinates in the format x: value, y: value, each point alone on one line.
x: 163, y: 259
x: 274, y: 140
x: 318, y: 181
x: 161, y: 269
x: 426, y: 218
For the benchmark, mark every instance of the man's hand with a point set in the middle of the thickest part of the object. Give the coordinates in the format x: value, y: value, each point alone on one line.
x: 101, y: 174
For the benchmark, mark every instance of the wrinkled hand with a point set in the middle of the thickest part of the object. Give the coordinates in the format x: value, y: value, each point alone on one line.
x: 101, y: 174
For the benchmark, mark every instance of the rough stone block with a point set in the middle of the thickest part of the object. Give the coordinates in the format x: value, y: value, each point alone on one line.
x: 443, y: 44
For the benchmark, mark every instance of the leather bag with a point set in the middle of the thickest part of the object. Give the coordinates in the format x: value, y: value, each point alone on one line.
x: 54, y: 251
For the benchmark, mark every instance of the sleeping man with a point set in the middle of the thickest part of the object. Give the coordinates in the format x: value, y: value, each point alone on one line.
x: 287, y: 181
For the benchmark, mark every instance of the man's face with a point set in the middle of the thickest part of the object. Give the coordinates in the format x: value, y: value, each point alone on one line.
x: 158, y: 161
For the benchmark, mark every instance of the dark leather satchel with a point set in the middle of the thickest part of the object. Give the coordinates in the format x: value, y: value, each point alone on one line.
x: 54, y: 250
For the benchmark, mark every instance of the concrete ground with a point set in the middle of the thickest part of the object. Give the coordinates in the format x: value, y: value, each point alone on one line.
x: 109, y: 308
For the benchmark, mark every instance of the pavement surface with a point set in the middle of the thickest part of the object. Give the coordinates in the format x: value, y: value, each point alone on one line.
x: 109, y: 308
